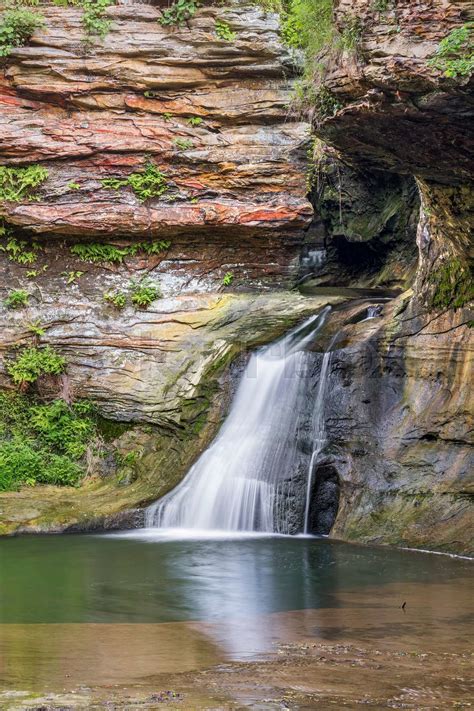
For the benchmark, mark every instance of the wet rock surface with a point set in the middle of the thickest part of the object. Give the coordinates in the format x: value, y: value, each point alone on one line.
x: 399, y: 406
x: 398, y: 419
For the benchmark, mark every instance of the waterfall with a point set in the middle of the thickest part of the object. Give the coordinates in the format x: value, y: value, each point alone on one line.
x: 318, y: 428
x: 373, y: 312
x: 238, y: 482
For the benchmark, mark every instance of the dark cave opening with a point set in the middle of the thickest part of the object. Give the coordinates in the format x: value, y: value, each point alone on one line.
x: 324, y: 500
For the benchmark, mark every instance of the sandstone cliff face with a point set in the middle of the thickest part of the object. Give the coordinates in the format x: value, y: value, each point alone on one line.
x: 400, y: 408
x: 89, y: 114
x: 398, y: 414
x: 212, y: 116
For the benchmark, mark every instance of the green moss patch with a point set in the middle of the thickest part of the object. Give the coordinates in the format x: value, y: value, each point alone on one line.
x: 43, y: 443
x: 453, y: 285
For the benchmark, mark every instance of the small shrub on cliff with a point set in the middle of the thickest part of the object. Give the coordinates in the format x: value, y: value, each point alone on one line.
x: 455, y: 54
x: 147, y: 184
x: 18, y: 184
x: 116, y: 298
x: 16, y: 299
x: 179, y: 12
x: 33, y: 362
x: 17, y: 26
x: 381, y: 5
x: 144, y: 293
x: 308, y: 25
x: 36, y: 329
x: 224, y: 31
x: 93, y: 19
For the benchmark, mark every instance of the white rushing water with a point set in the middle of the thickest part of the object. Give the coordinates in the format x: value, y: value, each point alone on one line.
x: 238, y: 483
x: 373, y: 312
x: 319, y: 429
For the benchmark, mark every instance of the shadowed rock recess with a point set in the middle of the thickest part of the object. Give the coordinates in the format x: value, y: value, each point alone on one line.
x: 399, y: 407
x: 227, y: 231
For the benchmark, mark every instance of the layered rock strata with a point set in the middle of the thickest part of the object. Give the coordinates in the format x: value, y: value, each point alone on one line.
x: 399, y: 413
x: 209, y: 112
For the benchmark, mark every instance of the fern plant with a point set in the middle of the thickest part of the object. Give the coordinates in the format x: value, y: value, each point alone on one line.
x: 33, y: 362
x: 16, y: 299
x: 18, y: 184
x: 20, y: 251
x: 145, y: 293
x: 97, y: 253
x: 183, y: 144
x: 147, y: 184
x: 116, y: 298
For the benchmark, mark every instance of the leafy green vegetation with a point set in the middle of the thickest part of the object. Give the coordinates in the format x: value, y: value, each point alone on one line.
x: 455, y: 54
x: 351, y: 33
x: 145, y: 293
x: 73, y: 186
x: 19, y: 251
x: 96, y: 253
x: 108, y: 253
x: 228, y: 279
x: 116, y: 298
x: 381, y: 5
x: 17, y: 26
x: 195, y: 121
x: 93, y: 18
x: 33, y: 273
x: 224, y: 31
x: 16, y: 299
x: 147, y: 184
x: 35, y: 328
x: 453, y: 285
x: 308, y: 25
x: 43, y: 443
x: 72, y: 277
x: 18, y: 184
x: 179, y: 12
x: 183, y: 144
x: 32, y: 362
x: 325, y: 103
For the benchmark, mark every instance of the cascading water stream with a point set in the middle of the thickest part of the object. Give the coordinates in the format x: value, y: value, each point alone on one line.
x: 318, y: 427
x: 235, y: 484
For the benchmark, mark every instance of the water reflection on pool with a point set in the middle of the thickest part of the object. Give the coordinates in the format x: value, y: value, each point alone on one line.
x: 144, y: 602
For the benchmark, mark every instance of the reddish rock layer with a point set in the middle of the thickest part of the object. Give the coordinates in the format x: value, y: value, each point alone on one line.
x: 83, y: 114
